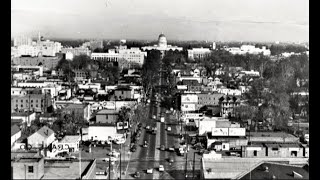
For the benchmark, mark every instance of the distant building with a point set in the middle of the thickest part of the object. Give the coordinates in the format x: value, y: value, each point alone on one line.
x: 249, y: 49
x: 70, y: 53
x: 92, y: 45
x: 162, y: 45
x: 25, y: 117
x: 33, y: 102
x: 192, y: 102
x: 22, y: 40
x: 108, y: 116
x: 198, y: 53
x: 46, y: 62
x: 110, y: 56
x: 79, y: 110
x: 134, y: 55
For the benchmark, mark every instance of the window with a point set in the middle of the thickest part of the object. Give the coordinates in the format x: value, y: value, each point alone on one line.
x: 17, y: 100
x: 31, y: 101
x: 275, y: 149
x: 21, y: 105
x: 31, y: 105
x: 21, y: 100
x: 255, y: 153
x: 107, y: 116
x: 36, y: 105
x: 30, y: 169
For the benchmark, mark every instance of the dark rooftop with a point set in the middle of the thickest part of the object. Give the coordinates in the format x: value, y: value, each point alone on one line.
x: 280, y: 171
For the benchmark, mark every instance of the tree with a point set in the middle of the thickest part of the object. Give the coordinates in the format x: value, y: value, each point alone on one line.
x: 150, y: 70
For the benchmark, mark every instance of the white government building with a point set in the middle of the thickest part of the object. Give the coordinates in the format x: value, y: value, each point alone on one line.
x: 162, y: 45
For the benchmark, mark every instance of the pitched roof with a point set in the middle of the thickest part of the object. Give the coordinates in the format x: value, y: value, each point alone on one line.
x: 14, y: 129
x: 45, y: 131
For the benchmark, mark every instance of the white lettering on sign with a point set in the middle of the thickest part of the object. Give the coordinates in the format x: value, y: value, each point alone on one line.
x: 60, y: 147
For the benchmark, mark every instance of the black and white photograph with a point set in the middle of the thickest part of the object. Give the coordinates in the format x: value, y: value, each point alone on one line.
x: 159, y: 89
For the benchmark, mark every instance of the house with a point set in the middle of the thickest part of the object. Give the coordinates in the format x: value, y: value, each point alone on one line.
x: 109, y: 116
x: 228, y: 105
x: 26, y: 117
x: 40, y: 168
x: 123, y: 93
x: 192, y: 102
x: 79, y: 110
x: 43, y: 137
x: 80, y: 75
x: 15, y: 134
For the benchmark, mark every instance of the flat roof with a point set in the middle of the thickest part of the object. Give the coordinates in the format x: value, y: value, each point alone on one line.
x: 280, y: 171
x: 63, y: 169
x: 107, y: 111
x: 70, y: 139
x: 269, y: 134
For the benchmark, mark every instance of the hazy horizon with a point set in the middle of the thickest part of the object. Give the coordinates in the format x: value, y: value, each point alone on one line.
x: 179, y: 20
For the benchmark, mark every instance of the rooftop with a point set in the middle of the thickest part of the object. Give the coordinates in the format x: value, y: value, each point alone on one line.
x: 280, y: 171
x: 63, y: 169
x: 14, y: 129
x: 21, y: 113
x: 269, y: 134
x: 70, y: 139
x: 45, y: 131
x: 107, y: 111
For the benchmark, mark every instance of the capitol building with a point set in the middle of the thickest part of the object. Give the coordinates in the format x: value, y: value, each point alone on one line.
x: 162, y: 45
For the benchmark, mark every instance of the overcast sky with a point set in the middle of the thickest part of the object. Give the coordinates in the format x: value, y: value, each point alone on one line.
x: 213, y: 20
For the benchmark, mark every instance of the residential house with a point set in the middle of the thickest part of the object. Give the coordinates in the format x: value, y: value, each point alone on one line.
x: 228, y: 105
x: 78, y: 110
x: 109, y: 116
x: 43, y: 137
x: 122, y: 93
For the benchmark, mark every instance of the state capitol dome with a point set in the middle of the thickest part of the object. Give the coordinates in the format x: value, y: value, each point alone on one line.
x: 162, y: 40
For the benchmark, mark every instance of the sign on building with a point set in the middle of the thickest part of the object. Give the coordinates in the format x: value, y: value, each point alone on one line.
x: 237, y: 132
x: 190, y: 98
x: 188, y: 107
x: 219, y: 131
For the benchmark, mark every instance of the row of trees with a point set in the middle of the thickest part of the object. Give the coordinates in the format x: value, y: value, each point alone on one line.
x: 108, y: 70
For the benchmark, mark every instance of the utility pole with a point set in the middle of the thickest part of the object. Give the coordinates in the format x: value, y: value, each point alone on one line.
x: 120, y: 164
x: 186, y: 166
x: 194, y: 162
x: 109, y: 168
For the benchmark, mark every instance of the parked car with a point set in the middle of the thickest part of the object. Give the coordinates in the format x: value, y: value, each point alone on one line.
x: 162, y: 148
x: 171, y: 160
x: 169, y: 129
x: 112, y: 159
x: 171, y: 148
x: 149, y: 170
x: 120, y: 141
x: 154, y: 117
x: 114, y: 153
x: 147, y: 127
x: 161, y: 168
x: 145, y: 144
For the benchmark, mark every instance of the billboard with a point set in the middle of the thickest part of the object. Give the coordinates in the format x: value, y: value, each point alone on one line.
x: 189, y: 98
x: 237, y: 132
x: 188, y: 107
x: 220, y: 131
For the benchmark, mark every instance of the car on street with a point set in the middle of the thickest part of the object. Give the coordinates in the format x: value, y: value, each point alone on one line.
x: 171, y: 160
x: 169, y: 129
x: 147, y: 127
x: 112, y: 159
x: 149, y: 170
x: 171, y: 148
x: 161, y: 168
x: 114, y: 153
x: 120, y: 141
x: 145, y: 144
x: 136, y: 174
x: 162, y: 148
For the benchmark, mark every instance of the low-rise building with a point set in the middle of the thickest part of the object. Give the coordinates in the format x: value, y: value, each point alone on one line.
x: 78, y: 110
x: 109, y: 116
x: 42, y: 138
x: 32, y: 102
x: 102, y: 132
x: 40, y: 168
x: 198, y: 53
